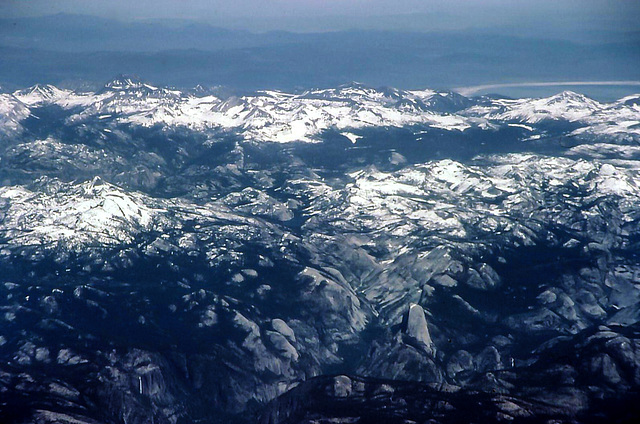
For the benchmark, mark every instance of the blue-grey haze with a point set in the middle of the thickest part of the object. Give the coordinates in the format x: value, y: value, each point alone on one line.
x: 79, y: 50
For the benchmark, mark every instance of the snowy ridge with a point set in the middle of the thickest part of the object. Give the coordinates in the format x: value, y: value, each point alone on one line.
x: 284, y: 117
x: 442, y: 198
x: 12, y: 112
x: 55, y: 215
x: 90, y: 213
x: 620, y: 117
x: 40, y: 94
x: 567, y: 106
x: 280, y: 117
x: 446, y: 197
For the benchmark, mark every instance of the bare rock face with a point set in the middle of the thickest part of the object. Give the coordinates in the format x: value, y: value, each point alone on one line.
x: 342, y: 386
x: 281, y: 327
x: 416, y: 327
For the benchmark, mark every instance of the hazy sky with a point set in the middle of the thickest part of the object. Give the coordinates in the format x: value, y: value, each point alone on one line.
x: 303, y: 15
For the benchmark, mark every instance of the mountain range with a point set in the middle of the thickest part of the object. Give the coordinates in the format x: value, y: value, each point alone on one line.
x: 347, y: 254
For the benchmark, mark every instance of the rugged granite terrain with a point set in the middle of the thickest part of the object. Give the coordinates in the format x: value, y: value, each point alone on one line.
x: 339, y: 255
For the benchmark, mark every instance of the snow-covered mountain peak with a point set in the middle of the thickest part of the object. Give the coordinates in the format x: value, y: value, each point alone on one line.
x: 354, y: 91
x: 569, y: 100
x: 40, y: 94
x: 131, y: 87
x: 126, y: 82
x: 568, y: 95
x: 40, y: 89
x: 567, y: 106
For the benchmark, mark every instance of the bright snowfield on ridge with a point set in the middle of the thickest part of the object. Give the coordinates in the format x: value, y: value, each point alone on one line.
x: 283, y: 117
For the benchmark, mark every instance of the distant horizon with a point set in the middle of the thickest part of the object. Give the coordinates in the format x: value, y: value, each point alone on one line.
x: 70, y: 48
x: 386, y: 23
x: 553, y: 18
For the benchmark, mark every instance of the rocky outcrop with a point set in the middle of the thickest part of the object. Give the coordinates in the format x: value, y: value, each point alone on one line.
x: 416, y: 327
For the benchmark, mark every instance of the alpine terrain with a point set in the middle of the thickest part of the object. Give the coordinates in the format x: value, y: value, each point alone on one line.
x: 343, y: 255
